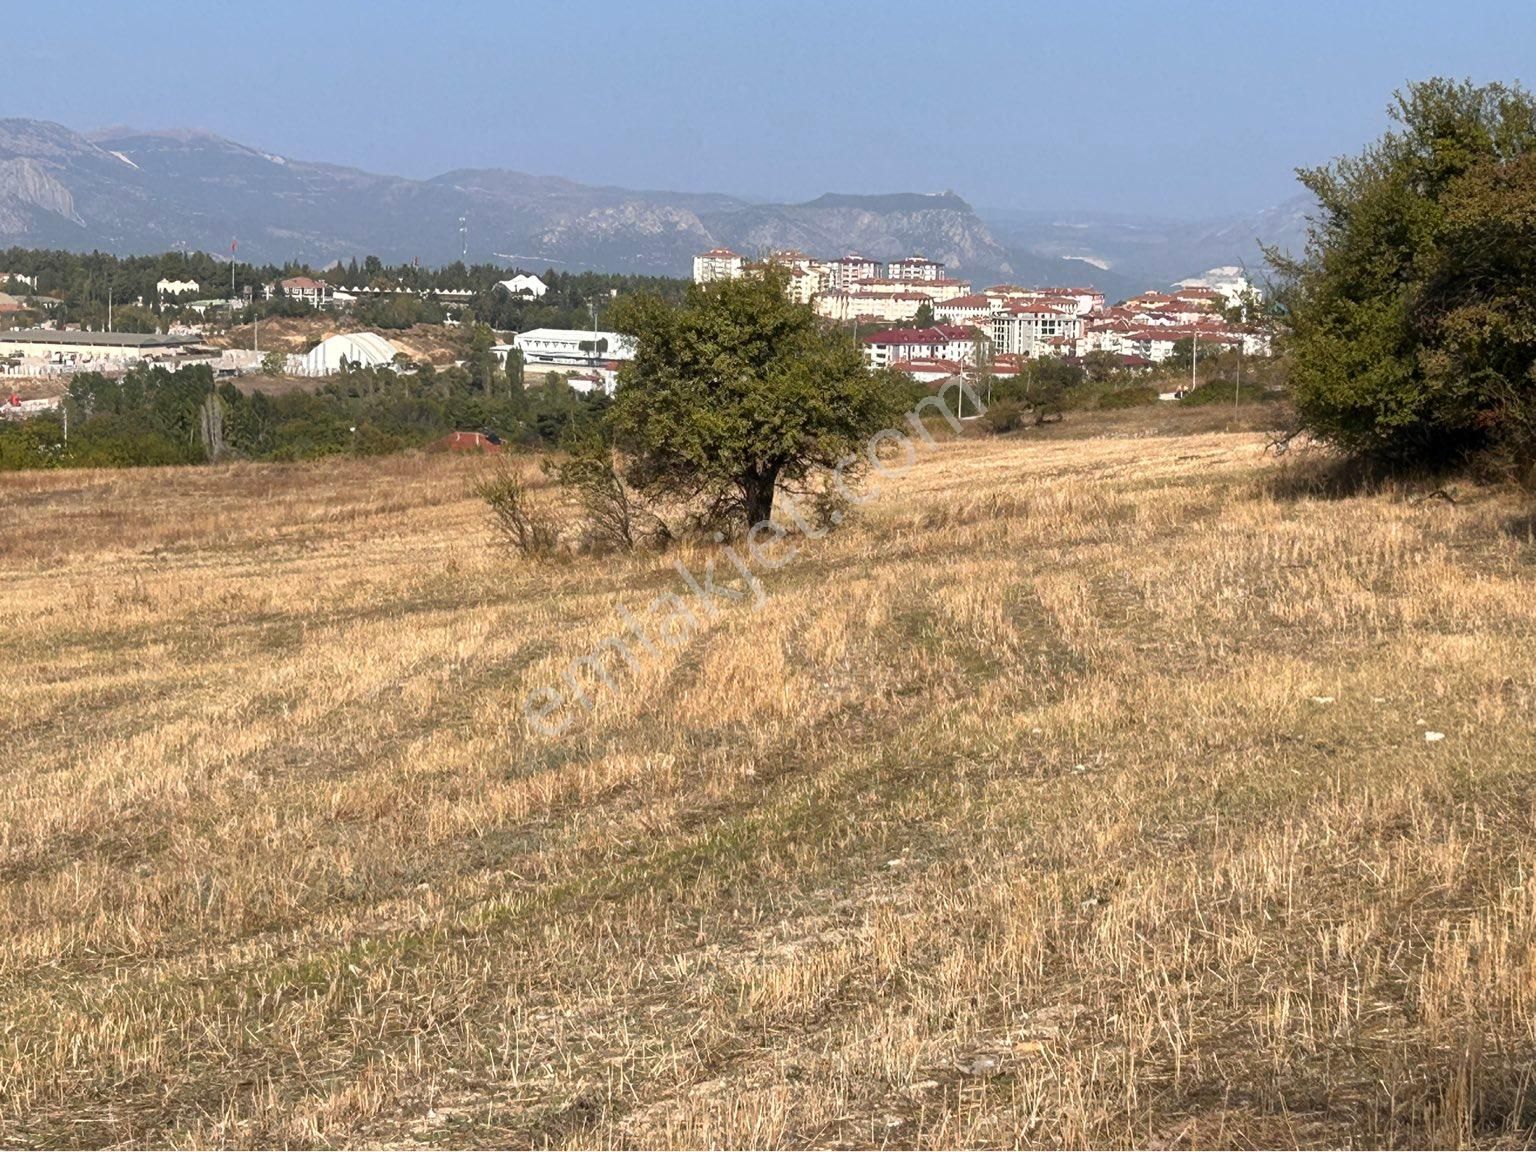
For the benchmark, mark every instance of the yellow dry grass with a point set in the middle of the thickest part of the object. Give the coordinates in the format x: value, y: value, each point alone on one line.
x: 1076, y: 791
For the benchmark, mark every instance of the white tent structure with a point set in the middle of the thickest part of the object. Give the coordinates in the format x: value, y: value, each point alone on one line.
x: 356, y: 349
x: 524, y: 285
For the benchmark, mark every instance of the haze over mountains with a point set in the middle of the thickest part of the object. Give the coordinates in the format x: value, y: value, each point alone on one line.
x: 128, y: 191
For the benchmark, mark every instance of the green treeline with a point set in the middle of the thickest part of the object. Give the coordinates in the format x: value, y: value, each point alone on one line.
x: 155, y: 415
x: 86, y: 282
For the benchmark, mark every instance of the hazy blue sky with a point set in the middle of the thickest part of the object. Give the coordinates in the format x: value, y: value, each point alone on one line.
x: 1184, y: 108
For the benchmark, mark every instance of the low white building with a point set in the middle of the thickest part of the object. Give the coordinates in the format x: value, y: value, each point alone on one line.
x: 717, y: 264
x: 572, y: 347
x: 1157, y: 344
x: 524, y: 285
x: 176, y: 287
x: 975, y: 309
x: 345, y: 349
x: 882, y: 307
x: 928, y: 371
x: 953, y: 342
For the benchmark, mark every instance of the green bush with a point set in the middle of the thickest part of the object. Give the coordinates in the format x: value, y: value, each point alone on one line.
x: 1228, y: 392
x: 1009, y: 415
x: 1413, y: 312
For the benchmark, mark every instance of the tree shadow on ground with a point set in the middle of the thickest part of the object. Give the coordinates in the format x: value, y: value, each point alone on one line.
x: 1319, y: 474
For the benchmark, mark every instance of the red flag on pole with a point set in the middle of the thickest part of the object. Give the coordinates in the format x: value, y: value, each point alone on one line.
x: 233, y: 244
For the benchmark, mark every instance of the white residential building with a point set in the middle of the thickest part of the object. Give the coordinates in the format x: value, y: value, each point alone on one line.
x: 176, y: 287
x: 524, y: 285
x: 1025, y: 328
x: 975, y: 309
x: 884, y: 307
x: 1081, y: 301
x: 1157, y: 344
x: 315, y: 292
x: 1228, y: 280
x: 935, y: 290
x: 914, y: 268
x: 804, y: 283
x: 847, y: 270
x: 954, y: 342
x: 717, y: 264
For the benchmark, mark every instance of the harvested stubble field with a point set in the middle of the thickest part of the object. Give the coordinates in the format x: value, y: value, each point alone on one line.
x: 1076, y: 791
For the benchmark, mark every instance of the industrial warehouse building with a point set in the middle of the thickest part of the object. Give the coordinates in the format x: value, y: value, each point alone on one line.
x: 91, y: 347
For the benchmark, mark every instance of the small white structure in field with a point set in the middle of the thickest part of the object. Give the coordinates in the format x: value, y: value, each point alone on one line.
x: 354, y: 349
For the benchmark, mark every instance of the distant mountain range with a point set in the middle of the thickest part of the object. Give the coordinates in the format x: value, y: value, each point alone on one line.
x: 126, y: 191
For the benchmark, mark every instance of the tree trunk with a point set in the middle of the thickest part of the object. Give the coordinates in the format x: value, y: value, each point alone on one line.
x: 758, y: 490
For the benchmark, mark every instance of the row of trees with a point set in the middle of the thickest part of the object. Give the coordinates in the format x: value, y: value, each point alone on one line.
x: 87, y: 282
x: 155, y: 415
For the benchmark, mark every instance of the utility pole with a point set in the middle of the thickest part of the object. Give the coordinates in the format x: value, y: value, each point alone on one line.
x: 1194, y: 362
x: 109, y: 307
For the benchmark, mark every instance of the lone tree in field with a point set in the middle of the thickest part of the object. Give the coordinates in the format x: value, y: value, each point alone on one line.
x: 1413, y: 310
x: 737, y: 391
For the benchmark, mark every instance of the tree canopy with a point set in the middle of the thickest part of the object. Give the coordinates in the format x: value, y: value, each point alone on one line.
x: 739, y: 390
x: 1413, y: 309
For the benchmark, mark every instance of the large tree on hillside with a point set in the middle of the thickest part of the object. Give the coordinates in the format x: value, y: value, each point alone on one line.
x: 1413, y: 310
x: 737, y: 391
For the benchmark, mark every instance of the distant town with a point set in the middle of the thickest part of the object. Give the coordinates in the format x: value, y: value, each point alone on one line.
x: 949, y: 325
x: 908, y: 315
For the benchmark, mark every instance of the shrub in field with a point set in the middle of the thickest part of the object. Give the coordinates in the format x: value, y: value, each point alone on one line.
x: 528, y: 528
x: 616, y: 517
x: 1008, y: 415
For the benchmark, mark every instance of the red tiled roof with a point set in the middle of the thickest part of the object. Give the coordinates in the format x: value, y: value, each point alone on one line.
x: 938, y: 334
x: 928, y: 364
x: 976, y: 301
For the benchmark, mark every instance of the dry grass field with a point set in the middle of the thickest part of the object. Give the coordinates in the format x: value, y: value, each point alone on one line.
x: 1077, y: 790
